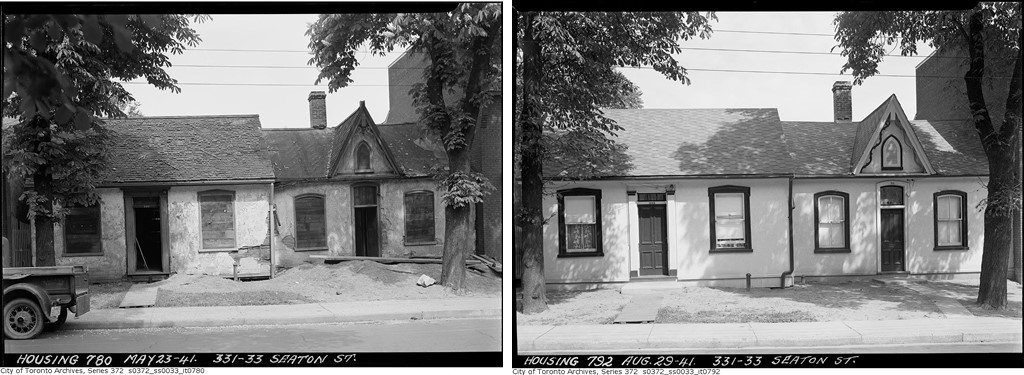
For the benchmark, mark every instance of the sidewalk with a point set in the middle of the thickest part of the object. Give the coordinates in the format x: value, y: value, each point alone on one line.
x: 337, y: 312
x: 744, y: 335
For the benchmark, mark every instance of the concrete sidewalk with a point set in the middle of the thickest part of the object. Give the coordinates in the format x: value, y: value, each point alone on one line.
x: 336, y: 312
x: 745, y: 335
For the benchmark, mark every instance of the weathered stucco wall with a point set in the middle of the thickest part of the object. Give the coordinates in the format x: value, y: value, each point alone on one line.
x: 615, y: 236
x: 339, y: 219
x: 112, y: 264
x: 251, y: 207
x: 919, y: 237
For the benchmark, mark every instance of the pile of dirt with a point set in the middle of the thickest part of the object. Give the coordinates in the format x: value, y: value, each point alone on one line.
x: 345, y: 281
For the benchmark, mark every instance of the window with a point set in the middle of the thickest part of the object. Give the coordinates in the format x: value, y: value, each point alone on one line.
x: 419, y: 217
x: 892, y: 195
x: 310, y: 226
x: 730, y: 223
x: 832, y: 231
x: 950, y: 220
x: 82, y: 231
x: 217, y: 215
x: 363, y: 158
x: 892, y: 154
x: 579, y: 223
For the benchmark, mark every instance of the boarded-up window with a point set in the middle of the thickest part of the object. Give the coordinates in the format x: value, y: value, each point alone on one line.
x: 82, y: 231
x: 419, y: 217
x: 217, y: 214
x: 363, y: 157
x: 365, y: 196
x: 310, y: 225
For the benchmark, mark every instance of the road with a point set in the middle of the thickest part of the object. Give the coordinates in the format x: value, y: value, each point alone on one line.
x: 982, y: 347
x: 417, y: 336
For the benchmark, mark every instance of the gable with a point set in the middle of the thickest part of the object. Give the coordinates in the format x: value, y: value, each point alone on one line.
x: 357, y: 132
x: 886, y: 130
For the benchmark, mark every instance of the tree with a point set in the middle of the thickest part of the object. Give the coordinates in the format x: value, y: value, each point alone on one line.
x: 462, y: 76
x: 567, y: 62
x: 863, y: 37
x: 59, y: 74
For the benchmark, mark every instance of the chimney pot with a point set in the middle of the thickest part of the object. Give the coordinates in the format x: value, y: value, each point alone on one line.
x: 842, y: 101
x: 318, y: 110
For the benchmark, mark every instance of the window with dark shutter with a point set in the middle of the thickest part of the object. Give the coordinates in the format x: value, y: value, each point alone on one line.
x: 310, y: 225
x: 82, y: 231
x: 419, y: 217
x: 217, y: 214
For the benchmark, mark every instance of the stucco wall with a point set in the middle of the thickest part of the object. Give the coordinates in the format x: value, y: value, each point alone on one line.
x: 614, y: 265
x: 864, y: 227
x: 769, y: 239
x: 112, y: 264
x: 339, y: 219
x: 251, y: 207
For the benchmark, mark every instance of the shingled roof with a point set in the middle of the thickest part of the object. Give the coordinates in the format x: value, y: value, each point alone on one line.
x: 299, y: 153
x: 186, y: 149
x: 696, y: 142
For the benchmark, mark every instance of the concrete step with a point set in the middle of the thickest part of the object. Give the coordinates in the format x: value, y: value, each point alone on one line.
x: 661, y: 286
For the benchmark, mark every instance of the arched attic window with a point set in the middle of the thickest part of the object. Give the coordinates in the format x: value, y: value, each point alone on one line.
x: 892, y: 154
x: 363, y: 158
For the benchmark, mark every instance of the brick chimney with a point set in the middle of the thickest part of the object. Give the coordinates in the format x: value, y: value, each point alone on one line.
x: 318, y: 110
x: 842, y: 101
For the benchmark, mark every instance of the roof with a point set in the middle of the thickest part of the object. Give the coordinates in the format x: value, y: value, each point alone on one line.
x: 743, y: 141
x: 186, y: 148
x: 415, y: 151
x: 821, y: 148
x: 952, y: 146
x: 299, y: 153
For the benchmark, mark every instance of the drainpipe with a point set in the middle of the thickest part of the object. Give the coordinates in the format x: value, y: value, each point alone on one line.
x: 270, y: 228
x: 792, y: 264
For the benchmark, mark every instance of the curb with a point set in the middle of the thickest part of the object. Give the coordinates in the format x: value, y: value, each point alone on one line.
x: 242, y: 320
x: 750, y: 335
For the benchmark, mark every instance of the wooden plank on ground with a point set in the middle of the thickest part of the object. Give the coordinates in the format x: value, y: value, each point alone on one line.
x: 139, y: 295
x: 642, y: 308
x: 336, y: 258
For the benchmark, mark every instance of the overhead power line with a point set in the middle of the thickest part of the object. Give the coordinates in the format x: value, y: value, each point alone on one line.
x: 807, y: 73
x: 262, y: 84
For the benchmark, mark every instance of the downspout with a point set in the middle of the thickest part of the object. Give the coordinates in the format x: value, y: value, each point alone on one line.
x: 270, y: 229
x: 792, y: 264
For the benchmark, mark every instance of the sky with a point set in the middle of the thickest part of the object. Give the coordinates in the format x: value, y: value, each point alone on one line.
x: 278, y: 106
x: 797, y: 97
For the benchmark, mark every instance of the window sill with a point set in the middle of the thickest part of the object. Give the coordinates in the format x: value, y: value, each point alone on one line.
x: 312, y: 249
x: 581, y: 255
x: 732, y: 250
x: 364, y: 171
x: 420, y: 243
x: 832, y: 251
x: 892, y: 168
x: 82, y: 255
x: 224, y: 250
x: 945, y: 248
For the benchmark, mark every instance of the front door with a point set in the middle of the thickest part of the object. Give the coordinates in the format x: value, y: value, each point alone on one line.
x: 653, y: 252
x: 892, y: 240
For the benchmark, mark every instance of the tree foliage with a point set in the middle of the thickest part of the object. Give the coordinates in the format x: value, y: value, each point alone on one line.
x: 60, y: 73
x: 462, y: 76
x: 567, y: 62
x: 988, y: 28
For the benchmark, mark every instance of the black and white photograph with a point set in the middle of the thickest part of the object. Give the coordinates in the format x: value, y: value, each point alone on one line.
x: 767, y: 188
x: 253, y: 181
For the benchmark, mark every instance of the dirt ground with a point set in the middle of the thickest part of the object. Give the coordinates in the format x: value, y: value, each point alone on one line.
x: 307, y: 283
x: 859, y: 300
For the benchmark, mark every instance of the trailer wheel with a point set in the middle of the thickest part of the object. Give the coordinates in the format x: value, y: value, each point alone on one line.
x: 23, y: 319
x: 53, y: 326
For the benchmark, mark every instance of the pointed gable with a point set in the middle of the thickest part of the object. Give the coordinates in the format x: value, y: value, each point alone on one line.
x: 886, y: 143
x: 358, y: 148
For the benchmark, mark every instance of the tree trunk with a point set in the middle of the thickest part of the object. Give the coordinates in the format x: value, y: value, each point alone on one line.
x: 44, y: 225
x: 1017, y: 244
x: 998, y: 239
x: 534, y: 297
x: 459, y: 233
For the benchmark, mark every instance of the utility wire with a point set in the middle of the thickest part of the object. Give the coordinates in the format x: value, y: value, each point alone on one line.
x: 261, y: 84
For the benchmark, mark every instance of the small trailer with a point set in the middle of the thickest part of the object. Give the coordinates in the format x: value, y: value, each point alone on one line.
x: 38, y: 298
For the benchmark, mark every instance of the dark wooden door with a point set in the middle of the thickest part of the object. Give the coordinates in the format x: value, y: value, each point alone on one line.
x: 366, y: 232
x: 653, y: 252
x: 892, y: 240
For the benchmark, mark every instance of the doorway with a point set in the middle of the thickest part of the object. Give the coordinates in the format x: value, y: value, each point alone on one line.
x: 653, y: 252
x: 365, y: 220
x: 892, y: 240
x: 146, y: 235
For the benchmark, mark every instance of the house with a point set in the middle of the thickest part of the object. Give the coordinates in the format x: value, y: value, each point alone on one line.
x: 715, y: 195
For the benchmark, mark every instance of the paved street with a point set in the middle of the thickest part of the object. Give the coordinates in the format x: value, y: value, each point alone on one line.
x: 420, y: 336
x: 983, y: 347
